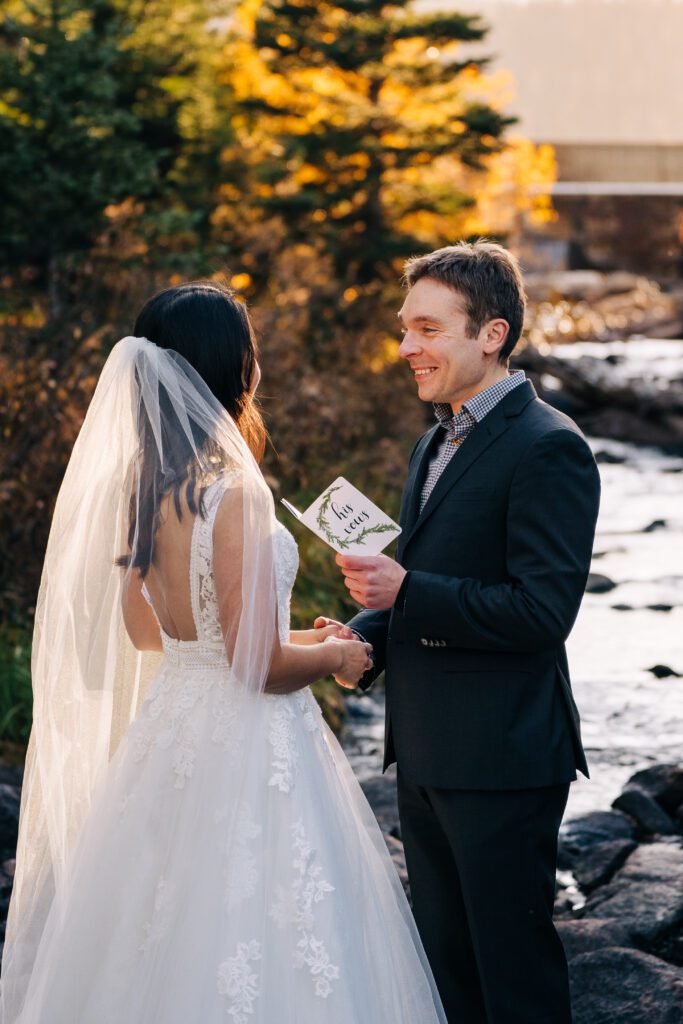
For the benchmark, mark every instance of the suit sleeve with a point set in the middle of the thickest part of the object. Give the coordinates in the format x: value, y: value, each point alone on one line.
x: 552, y: 511
x: 373, y: 626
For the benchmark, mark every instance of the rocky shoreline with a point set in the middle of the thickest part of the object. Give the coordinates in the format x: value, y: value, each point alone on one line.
x: 619, y: 897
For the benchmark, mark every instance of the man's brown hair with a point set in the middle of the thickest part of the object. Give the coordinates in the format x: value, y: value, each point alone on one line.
x: 486, y: 275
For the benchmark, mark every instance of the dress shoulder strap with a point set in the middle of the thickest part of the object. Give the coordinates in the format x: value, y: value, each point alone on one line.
x: 202, y: 590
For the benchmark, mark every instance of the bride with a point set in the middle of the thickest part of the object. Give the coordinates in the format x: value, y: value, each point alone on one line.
x: 193, y: 845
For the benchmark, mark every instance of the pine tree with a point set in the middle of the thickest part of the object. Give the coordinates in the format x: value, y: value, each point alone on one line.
x: 86, y: 119
x: 357, y: 104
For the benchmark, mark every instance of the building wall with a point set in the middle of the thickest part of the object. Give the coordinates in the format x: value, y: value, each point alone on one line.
x: 608, y: 161
x: 589, y: 72
x: 602, y: 81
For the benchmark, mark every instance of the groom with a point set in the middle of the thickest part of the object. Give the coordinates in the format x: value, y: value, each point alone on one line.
x: 469, y: 624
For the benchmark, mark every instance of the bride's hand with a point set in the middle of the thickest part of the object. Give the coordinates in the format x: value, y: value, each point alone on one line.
x: 324, y: 628
x: 354, y: 661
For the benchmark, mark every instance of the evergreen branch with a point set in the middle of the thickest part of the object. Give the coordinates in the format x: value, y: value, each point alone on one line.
x: 324, y: 526
x: 379, y: 528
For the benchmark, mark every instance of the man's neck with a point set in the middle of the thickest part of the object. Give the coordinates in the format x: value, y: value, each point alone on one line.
x: 498, y: 374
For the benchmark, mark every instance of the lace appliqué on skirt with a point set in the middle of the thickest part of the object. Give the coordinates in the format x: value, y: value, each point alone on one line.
x: 241, y: 873
x: 239, y: 982
x: 297, y: 907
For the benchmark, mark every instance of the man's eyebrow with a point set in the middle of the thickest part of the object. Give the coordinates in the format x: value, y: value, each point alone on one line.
x: 422, y: 319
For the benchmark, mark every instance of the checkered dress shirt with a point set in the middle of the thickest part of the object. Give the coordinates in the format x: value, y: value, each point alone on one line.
x: 458, y: 427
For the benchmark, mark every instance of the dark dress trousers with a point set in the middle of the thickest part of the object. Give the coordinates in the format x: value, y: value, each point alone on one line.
x: 480, y: 715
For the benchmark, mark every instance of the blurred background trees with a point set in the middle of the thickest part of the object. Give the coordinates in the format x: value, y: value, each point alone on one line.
x: 302, y: 151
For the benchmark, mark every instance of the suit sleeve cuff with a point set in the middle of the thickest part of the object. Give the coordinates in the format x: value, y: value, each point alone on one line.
x: 400, y: 602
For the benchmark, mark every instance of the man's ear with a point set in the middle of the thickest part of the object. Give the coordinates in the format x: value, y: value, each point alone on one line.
x: 494, y: 333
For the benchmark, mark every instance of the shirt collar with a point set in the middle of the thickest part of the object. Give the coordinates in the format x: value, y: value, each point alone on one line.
x: 476, y: 407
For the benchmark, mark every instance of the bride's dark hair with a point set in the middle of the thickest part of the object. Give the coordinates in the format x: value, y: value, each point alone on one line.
x: 205, y: 324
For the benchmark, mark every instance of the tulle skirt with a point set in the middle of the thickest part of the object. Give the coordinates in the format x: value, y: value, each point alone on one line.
x: 230, y: 870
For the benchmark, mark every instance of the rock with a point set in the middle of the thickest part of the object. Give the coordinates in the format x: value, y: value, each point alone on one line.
x: 663, y: 782
x: 598, y: 584
x: 656, y: 524
x: 645, y: 895
x: 359, y: 708
x: 627, y: 986
x: 395, y: 847
x: 652, y: 819
x: 12, y: 774
x: 597, y: 865
x: 563, y: 906
x: 670, y: 948
x: 9, y: 815
x: 381, y: 794
x: 605, y: 402
x: 587, y: 935
x: 578, y: 834
x: 7, y: 875
x: 663, y: 672
x: 610, y: 458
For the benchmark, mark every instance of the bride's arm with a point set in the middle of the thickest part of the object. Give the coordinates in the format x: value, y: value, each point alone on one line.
x: 317, y: 636
x: 138, y: 617
x: 291, y: 665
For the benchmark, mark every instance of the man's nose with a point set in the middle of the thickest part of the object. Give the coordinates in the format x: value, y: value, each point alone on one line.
x: 409, y: 346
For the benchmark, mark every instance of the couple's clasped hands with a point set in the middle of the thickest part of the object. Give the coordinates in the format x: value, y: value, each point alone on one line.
x: 355, y: 656
x: 374, y: 581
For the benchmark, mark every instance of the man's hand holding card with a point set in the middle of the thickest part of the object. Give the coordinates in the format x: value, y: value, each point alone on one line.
x: 373, y: 580
x: 358, y: 531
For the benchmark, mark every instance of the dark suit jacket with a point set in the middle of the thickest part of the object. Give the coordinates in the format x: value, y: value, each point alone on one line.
x: 477, y: 683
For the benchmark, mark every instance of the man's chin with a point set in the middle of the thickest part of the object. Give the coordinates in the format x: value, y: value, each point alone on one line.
x: 427, y: 394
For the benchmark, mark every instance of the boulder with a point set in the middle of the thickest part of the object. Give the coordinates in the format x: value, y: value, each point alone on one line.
x: 598, y: 863
x: 610, y: 458
x: 663, y: 782
x: 578, y: 834
x: 357, y: 707
x: 645, y: 895
x: 380, y: 791
x: 7, y: 875
x: 664, y: 672
x: 651, y: 818
x: 587, y: 935
x: 10, y: 796
x: 395, y: 847
x: 598, y: 584
x: 627, y: 986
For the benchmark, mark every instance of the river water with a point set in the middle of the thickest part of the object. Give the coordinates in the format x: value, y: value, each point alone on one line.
x: 630, y: 717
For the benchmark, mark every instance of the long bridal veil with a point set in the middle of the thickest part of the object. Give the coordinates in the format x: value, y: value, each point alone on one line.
x: 152, y: 426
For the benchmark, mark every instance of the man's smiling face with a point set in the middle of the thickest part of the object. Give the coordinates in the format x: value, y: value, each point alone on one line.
x: 449, y: 365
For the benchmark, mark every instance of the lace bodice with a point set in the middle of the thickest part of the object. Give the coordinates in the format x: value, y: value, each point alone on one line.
x: 208, y: 649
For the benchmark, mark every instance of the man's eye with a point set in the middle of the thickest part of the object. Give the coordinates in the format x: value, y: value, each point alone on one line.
x: 429, y: 330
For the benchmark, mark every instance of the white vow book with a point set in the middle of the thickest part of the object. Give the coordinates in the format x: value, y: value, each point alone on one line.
x: 348, y: 521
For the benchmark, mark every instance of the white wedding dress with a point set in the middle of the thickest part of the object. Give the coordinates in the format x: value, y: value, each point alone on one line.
x: 193, y: 898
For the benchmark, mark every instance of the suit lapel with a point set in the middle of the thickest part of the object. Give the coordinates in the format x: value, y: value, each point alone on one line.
x: 476, y: 443
x: 410, y: 504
